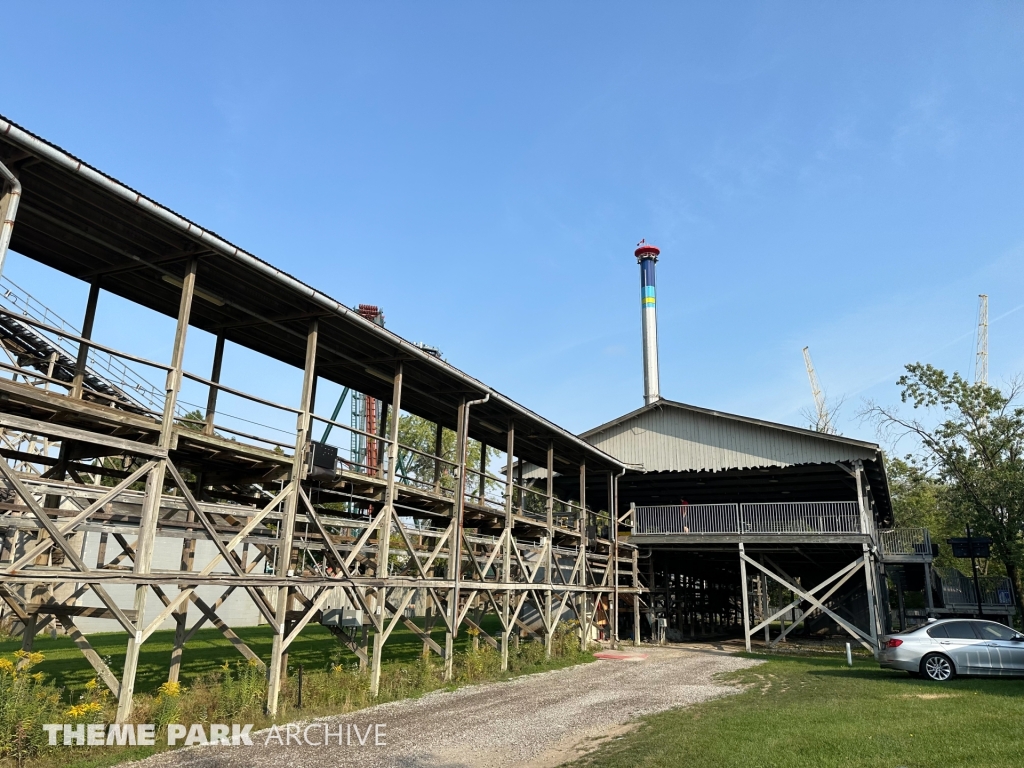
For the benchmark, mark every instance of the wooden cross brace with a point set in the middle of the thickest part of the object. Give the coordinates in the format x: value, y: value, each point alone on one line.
x: 808, y: 595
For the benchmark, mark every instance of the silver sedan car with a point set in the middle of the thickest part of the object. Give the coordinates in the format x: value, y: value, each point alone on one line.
x: 940, y: 650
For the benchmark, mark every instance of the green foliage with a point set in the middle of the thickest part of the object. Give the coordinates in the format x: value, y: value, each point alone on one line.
x: 235, y: 691
x: 188, y: 421
x: 27, y: 701
x: 970, y: 459
x: 918, y: 501
x: 421, y: 434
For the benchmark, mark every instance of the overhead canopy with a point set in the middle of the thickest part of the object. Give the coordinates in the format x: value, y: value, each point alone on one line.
x: 84, y: 223
x: 706, y: 456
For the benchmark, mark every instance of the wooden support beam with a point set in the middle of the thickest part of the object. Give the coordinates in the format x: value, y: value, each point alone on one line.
x: 211, y: 398
x: 63, y: 544
x: 83, y: 347
x: 154, y: 491
x: 287, y: 529
x: 384, y: 530
x: 549, y: 509
x: 455, y: 546
x: 746, y: 602
x: 97, y: 663
x: 60, y: 432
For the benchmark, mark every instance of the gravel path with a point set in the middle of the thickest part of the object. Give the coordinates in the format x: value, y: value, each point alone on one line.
x: 537, y: 721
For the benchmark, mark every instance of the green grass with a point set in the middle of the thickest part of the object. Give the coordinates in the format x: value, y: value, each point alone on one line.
x: 209, y: 649
x: 222, y: 687
x: 800, y: 711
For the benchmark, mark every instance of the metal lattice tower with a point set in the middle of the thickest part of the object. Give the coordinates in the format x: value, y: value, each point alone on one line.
x: 981, y: 363
x: 819, y: 398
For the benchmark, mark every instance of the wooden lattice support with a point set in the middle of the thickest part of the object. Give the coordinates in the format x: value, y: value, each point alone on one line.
x: 867, y: 639
x: 276, y: 668
x: 503, y: 576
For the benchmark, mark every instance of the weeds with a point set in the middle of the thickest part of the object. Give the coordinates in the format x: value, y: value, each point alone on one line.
x: 237, y: 693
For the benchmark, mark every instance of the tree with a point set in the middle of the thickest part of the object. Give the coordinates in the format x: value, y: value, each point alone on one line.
x: 918, y: 501
x: 420, y: 434
x: 824, y: 421
x: 975, y: 450
x: 193, y: 420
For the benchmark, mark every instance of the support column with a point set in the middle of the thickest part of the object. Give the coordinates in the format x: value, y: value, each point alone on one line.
x: 636, y: 597
x: 869, y: 582
x: 584, y: 595
x: 549, y: 578
x: 765, y: 603
x: 438, y: 449
x: 276, y: 670
x: 188, y: 548
x: 482, y: 490
x: 613, y: 513
x: 928, y: 596
x: 154, y: 492
x: 506, y: 555
x: 455, y: 542
x: 83, y: 347
x: 652, y: 615
x: 211, y: 399
x: 868, y: 527
x: 8, y: 209
x: 384, y: 531
x: 746, y: 602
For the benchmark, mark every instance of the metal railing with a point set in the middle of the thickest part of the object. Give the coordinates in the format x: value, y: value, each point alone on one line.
x: 822, y: 517
x: 106, y: 366
x: 905, y: 541
x: 687, y: 518
x: 958, y: 589
x: 810, y: 517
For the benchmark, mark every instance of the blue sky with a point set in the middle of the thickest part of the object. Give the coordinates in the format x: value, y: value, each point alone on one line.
x: 845, y: 176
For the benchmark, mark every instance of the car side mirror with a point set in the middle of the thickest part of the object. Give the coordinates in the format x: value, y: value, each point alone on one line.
x: 1018, y: 638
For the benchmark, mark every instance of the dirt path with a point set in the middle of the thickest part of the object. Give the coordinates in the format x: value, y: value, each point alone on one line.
x: 537, y: 721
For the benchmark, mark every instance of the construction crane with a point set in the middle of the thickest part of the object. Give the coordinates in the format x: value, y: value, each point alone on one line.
x: 981, y: 361
x: 823, y: 419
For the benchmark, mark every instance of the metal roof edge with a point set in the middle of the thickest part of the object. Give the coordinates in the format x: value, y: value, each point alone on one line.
x: 734, y: 417
x: 62, y: 158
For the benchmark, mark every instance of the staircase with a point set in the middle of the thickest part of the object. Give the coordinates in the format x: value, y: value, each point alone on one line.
x: 106, y: 379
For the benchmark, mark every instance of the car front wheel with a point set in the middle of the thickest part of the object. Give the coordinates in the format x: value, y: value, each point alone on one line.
x: 937, y: 667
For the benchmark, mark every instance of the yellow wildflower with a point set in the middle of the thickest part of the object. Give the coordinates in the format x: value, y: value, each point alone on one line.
x: 171, y: 689
x: 91, y: 685
x: 36, y: 657
x: 38, y: 677
x: 80, y: 710
x: 6, y: 665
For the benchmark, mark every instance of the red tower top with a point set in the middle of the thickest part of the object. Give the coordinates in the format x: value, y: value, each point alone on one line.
x: 646, y: 249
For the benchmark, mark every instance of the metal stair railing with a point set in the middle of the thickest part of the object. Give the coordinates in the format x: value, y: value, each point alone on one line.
x: 54, y: 355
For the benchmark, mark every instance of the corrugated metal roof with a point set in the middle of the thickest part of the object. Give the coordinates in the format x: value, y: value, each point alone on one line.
x: 245, y: 287
x: 671, y: 436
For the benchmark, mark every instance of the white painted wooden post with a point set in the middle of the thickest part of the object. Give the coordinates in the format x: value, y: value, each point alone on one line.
x: 746, y: 604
